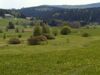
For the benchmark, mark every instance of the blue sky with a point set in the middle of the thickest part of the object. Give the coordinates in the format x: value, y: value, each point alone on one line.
x: 29, y: 3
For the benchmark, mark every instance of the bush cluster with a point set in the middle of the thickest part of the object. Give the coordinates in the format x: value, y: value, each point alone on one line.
x: 36, y: 40
x: 14, y: 41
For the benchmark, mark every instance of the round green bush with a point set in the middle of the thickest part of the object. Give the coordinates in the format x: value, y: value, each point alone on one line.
x: 19, y: 36
x: 85, y: 35
x: 14, y: 41
x: 65, y: 31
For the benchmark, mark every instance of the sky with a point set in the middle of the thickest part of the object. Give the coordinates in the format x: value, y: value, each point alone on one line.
x: 10, y: 4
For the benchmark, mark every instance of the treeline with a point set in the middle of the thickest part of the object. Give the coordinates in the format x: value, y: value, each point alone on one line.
x: 53, y: 16
x: 13, y: 12
x: 89, y: 15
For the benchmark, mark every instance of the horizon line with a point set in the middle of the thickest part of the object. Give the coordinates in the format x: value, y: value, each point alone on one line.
x: 52, y: 5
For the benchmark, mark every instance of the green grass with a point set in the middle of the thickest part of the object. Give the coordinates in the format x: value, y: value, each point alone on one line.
x: 66, y: 55
x: 52, y: 59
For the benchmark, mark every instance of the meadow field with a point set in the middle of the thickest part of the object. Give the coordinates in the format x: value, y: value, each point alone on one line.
x: 66, y: 55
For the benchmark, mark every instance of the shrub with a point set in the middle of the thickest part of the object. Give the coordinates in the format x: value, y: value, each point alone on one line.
x: 55, y: 32
x: 49, y: 36
x: 37, y: 30
x: 65, y: 31
x: 45, y: 29
x: 1, y: 31
x: 36, y: 40
x: 11, y: 26
x: 85, y: 35
x: 4, y: 36
x: 14, y: 41
x: 19, y: 36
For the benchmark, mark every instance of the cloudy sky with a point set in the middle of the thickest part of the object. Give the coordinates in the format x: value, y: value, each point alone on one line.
x: 29, y: 3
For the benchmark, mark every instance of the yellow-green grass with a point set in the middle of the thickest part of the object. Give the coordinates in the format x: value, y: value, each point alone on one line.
x: 66, y: 55
x: 4, y: 22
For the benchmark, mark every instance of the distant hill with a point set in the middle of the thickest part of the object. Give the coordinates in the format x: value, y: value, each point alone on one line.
x: 86, y: 13
x: 51, y: 7
x: 83, y: 13
x: 94, y: 5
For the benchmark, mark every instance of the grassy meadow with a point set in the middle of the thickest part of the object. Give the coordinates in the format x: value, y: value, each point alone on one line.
x: 66, y: 55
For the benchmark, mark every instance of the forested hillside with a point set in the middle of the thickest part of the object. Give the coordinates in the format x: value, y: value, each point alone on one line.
x: 48, y: 13
x: 84, y: 13
x: 13, y: 12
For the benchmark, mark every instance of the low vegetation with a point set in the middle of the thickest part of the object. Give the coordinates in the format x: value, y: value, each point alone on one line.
x: 65, y: 31
x: 85, y: 34
x: 31, y: 52
x: 14, y: 41
x: 36, y: 40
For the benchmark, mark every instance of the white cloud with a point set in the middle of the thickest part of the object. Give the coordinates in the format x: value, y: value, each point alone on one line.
x: 29, y: 3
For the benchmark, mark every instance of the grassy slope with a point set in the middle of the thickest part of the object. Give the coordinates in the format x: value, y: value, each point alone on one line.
x: 79, y: 56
